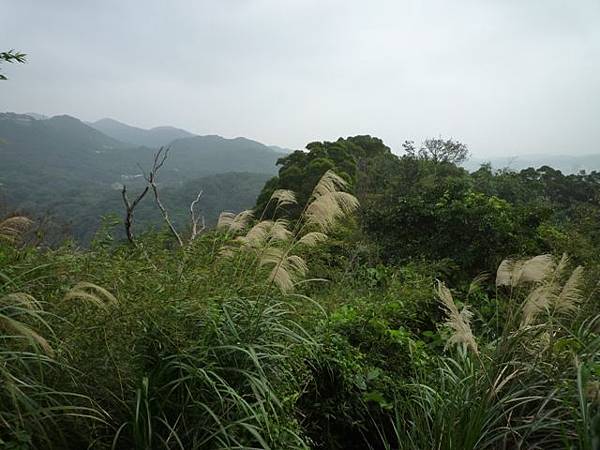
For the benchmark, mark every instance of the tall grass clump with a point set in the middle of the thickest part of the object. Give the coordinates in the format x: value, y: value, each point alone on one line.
x: 517, y: 389
x: 234, y: 382
x: 33, y: 412
x: 273, y: 246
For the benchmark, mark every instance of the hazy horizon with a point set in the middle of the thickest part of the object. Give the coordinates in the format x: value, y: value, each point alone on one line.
x: 506, y: 78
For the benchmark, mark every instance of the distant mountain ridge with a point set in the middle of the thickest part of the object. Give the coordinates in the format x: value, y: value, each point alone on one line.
x: 65, y: 141
x: 153, y: 137
x: 65, y: 167
x: 37, y: 116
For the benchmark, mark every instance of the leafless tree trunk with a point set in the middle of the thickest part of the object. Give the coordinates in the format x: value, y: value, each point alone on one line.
x: 129, y: 208
x: 159, y: 159
x: 196, y: 220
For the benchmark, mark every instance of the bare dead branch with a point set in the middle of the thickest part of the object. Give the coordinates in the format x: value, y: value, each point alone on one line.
x: 196, y: 220
x: 129, y: 208
x: 165, y: 214
x: 159, y: 159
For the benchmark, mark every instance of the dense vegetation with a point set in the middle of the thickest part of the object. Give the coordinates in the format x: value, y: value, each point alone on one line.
x: 403, y: 303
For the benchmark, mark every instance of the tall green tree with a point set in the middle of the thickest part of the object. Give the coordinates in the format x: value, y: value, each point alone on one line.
x: 438, y: 150
x: 363, y: 161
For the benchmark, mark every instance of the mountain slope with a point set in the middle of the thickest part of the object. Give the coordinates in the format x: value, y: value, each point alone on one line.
x: 217, y: 154
x: 61, y: 146
x: 154, y: 137
x: 64, y: 167
x: 64, y: 147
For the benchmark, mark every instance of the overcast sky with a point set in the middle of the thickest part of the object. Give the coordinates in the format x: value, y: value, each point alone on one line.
x: 507, y: 77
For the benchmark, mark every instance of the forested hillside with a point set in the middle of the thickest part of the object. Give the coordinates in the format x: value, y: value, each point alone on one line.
x: 69, y: 174
x: 368, y: 301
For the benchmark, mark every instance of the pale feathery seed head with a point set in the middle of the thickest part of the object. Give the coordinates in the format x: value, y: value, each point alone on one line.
x: 92, y: 293
x: 312, y: 238
x: 287, y: 269
x: 283, y: 197
x: 24, y: 300
x: 234, y: 223
x: 329, y: 182
x: 11, y: 325
x: 516, y: 272
x: 325, y: 210
x: 12, y: 228
x: 538, y: 300
x: 570, y: 295
x: 458, y: 321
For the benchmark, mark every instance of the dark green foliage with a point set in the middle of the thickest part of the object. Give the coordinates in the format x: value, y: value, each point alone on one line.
x: 438, y: 150
x: 360, y: 160
x: 440, y: 216
x: 11, y: 56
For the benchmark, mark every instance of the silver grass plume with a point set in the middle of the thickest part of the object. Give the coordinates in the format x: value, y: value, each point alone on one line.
x: 257, y: 236
x: 13, y: 228
x: 286, y: 270
x: 312, y: 238
x: 516, y: 272
x: 92, y: 293
x: 570, y: 295
x: 550, y: 294
x: 537, y: 301
x: 283, y: 197
x: 261, y: 235
x: 328, y: 203
x: 24, y: 305
x: 458, y: 321
x: 477, y: 282
x: 234, y: 223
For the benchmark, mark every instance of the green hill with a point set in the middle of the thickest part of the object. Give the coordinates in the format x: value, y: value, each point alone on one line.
x: 64, y: 168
